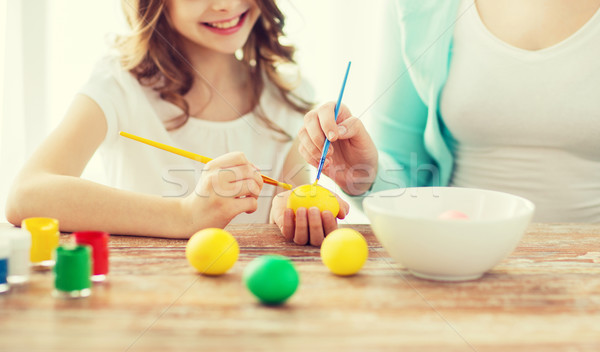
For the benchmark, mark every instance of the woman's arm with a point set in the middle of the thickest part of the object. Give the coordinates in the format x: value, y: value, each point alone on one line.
x: 398, y: 117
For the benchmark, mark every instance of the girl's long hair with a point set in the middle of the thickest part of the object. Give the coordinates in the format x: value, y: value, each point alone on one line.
x: 152, y: 54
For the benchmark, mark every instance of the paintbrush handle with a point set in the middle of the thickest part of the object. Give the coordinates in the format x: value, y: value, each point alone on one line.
x: 166, y: 147
x: 335, y: 114
x: 192, y: 156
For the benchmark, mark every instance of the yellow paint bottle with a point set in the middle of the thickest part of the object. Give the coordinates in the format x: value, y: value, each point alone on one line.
x: 44, y: 240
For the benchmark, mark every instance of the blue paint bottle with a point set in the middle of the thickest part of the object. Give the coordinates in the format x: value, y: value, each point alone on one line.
x: 4, y: 254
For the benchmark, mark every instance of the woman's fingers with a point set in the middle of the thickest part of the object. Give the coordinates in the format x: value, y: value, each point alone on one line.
x: 329, y: 222
x: 309, y: 226
x: 344, y: 208
x: 282, y: 216
x: 313, y: 128
x: 314, y: 159
x: 315, y: 226
x: 327, y: 119
x: 318, y: 124
x: 307, y: 149
x: 301, y: 228
x: 285, y: 222
x: 351, y: 127
x: 288, y: 225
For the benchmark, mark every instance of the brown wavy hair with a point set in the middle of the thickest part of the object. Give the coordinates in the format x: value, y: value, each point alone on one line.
x: 148, y: 53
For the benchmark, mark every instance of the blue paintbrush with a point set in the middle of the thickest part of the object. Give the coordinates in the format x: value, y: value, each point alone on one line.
x: 337, y: 109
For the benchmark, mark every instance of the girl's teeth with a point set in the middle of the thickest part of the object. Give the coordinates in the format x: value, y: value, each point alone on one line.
x: 225, y: 25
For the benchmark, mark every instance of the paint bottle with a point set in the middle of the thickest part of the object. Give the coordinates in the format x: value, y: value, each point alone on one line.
x: 18, y: 261
x: 44, y: 240
x: 73, y: 271
x: 98, y: 240
x: 4, y: 253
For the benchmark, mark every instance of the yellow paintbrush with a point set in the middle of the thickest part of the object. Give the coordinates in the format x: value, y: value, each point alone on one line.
x: 192, y: 156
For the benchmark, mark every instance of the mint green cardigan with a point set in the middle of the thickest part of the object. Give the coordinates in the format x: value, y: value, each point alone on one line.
x: 414, y: 145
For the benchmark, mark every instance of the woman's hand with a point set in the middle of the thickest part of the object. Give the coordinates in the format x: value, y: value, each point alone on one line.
x: 352, y: 156
x: 229, y: 186
x: 307, y: 226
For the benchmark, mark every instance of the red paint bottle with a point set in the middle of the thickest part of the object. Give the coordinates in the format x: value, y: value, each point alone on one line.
x: 98, y: 240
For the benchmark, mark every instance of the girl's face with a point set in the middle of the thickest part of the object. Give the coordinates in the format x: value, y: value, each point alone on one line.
x: 219, y: 25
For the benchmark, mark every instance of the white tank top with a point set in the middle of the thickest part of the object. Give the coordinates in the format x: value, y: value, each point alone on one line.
x: 527, y: 122
x: 134, y: 166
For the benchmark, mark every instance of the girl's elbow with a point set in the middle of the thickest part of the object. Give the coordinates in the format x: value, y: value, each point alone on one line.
x: 12, y: 216
x: 12, y: 213
x: 16, y: 204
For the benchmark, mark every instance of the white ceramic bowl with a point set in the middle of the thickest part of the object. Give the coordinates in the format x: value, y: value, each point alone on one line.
x: 406, y: 222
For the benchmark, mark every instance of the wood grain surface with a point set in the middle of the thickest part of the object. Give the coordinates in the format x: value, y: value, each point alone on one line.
x: 544, y: 297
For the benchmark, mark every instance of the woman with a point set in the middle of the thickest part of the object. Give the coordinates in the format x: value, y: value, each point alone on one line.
x: 494, y: 94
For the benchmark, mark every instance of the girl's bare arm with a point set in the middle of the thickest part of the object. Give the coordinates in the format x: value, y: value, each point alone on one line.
x: 49, y: 185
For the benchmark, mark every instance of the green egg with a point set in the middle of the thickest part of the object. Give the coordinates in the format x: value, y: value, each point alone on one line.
x: 271, y: 278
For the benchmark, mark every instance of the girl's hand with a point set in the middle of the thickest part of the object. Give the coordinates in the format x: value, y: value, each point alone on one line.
x: 352, y: 156
x: 229, y: 186
x: 307, y: 226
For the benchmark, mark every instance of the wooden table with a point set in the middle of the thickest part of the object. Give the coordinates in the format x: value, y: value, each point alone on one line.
x: 544, y: 297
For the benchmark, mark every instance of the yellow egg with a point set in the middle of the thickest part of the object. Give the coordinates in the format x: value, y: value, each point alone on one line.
x: 212, y: 251
x: 344, y: 251
x: 311, y: 195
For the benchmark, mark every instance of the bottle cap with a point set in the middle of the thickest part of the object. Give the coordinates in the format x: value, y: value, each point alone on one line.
x: 73, y: 268
x: 45, y: 225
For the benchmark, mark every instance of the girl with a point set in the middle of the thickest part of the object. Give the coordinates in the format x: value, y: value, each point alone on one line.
x: 488, y: 94
x: 177, y: 80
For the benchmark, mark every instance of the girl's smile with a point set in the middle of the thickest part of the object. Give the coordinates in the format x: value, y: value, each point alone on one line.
x: 227, y: 26
x: 218, y: 26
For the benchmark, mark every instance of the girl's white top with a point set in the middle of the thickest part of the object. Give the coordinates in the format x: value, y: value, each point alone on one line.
x: 128, y: 106
x: 527, y: 122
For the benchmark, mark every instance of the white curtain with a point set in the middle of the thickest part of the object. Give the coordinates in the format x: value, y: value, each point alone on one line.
x: 48, y: 49
x: 15, y: 143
